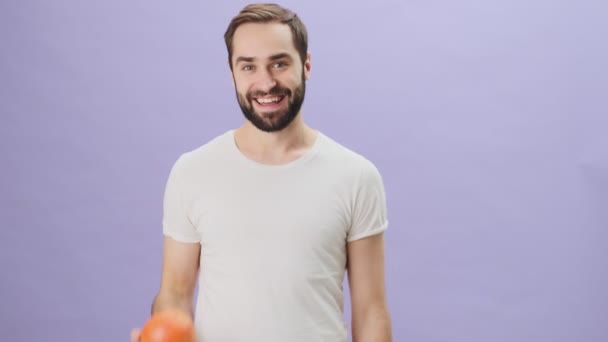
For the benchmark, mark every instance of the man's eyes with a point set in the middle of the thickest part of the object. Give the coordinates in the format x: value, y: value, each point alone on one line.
x: 274, y: 65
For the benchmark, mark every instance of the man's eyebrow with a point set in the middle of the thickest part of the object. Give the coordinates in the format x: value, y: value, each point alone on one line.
x: 244, y: 59
x: 279, y: 56
x: 272, y: 58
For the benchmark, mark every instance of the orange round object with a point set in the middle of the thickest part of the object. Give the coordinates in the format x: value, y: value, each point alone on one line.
x: 169, y: 326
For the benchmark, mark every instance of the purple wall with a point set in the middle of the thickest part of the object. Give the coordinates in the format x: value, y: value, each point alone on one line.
x: 488, y: 120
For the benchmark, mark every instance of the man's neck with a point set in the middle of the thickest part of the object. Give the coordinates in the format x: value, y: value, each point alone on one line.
x: 275, y: 147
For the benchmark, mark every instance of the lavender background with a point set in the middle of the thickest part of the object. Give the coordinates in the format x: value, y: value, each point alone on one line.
x: 487, y: 119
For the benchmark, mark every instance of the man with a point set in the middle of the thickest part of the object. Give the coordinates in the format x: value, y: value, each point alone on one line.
x: 269, y: 216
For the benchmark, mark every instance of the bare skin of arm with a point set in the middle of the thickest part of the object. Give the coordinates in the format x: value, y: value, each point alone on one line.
x: 178, y: 279
x: 370, y: 315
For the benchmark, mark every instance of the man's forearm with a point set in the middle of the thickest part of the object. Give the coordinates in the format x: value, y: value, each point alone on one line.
x: 167, y: 300
x: 373, y: 325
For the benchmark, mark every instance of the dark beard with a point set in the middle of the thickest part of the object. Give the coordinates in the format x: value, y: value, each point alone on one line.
x: 277, y: 120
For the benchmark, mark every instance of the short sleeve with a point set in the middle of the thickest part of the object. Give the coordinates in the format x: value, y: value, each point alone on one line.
x: 176, y: 222
x: 369, y: 215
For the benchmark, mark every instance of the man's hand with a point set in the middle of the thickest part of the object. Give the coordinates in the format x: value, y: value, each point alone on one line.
x: 178, y: 279
x: 135, y: 335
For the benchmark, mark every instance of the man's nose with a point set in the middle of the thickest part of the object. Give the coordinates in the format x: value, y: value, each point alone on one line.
x: 265, y: 81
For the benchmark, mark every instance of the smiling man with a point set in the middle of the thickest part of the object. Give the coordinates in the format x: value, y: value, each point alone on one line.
x: 270, y: 216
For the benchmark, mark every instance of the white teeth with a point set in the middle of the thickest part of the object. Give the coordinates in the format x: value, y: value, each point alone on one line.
x: 268, y: 99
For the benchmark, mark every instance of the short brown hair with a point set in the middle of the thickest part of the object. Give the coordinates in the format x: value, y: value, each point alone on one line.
x: 269, y: 13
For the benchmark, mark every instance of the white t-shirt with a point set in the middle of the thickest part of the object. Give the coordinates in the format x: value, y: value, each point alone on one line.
x: 273, y: 237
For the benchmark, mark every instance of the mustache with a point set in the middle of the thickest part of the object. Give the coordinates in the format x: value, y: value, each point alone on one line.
x: 277, y: 90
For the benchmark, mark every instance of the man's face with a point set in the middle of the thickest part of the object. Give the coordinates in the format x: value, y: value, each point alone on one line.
x: 268, y: 75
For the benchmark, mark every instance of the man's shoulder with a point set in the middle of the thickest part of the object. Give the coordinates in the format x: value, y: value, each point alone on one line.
x: 340, y: 154
x: 207, y: 154
x: 217, y: 144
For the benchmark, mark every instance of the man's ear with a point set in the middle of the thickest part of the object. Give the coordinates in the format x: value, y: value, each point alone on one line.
x: 307, y: 66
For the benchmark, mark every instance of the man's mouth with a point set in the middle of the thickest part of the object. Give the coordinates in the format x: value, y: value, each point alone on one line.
x: 269, y: 101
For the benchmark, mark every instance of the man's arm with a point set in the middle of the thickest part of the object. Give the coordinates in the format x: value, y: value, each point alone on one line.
x: 370, y: 317
x: 178, y: 277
